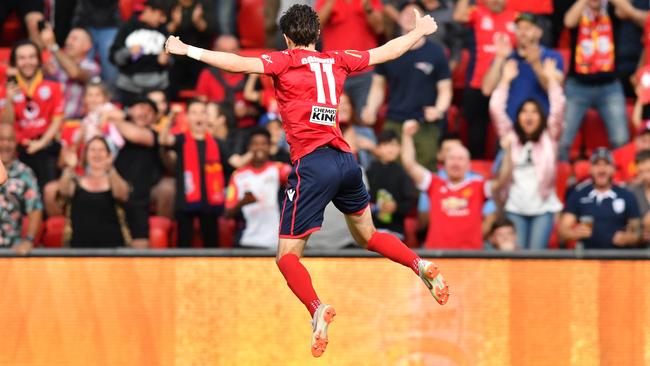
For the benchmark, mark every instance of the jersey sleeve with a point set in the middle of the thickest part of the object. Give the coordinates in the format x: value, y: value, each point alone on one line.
x: 441, y: 65
x: 573, y: 203
x: 352, y: 60
x: 275, y: 63
x: 426, y: 181
x: 633, y: 211
x: 473, y: 15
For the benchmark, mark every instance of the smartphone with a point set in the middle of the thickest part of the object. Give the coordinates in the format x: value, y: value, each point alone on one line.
x: 41, y: 25
x: 12, y: 79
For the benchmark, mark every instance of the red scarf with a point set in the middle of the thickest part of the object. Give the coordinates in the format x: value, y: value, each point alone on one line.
x: 213, y: 171
x: 595, y: 44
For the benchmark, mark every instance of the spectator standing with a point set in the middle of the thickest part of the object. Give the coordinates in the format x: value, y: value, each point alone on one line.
x: 532, y: 200
x: 95, y: 217
x: 71, y: 66
x: 600, y: 214
x: 641, y: 192
x: 490, y: 21
x: 392, y: 193
x: 420, y: 89
x: 138, y: 52
x: 629, y: 40
x: 352, y: 25
x: 592, y: 78
x: 215, y: 85
x: 456, y: 203
x: 449, y: 34
x: 200, y: 177
x: 193, y: 21
x: 35, y: 107
x: 101, y: 18
x: 139, y: 164
x: 531, y: 81
x: 253, y: 193
x: 19, y: 196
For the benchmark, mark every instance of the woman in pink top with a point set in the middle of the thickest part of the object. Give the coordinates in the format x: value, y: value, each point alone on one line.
x: 532, y: 201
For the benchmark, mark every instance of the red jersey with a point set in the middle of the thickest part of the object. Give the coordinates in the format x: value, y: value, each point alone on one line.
x: 527, y: 6
x: 456, y: 214
x: 308, y: 85
x: 35, y: 107
x: 486, y: 25
x: 625, y: 163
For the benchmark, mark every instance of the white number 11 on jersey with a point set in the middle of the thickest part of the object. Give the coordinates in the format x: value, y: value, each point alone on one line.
x: 327, y: 69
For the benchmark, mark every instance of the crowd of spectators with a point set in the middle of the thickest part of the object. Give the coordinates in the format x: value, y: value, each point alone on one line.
x: 491, y: 119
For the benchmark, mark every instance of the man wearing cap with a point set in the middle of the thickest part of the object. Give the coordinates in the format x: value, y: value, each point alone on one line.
x: 531, y: 82
x: 600, y: 214
x: 138, y: 163
x: 625, y: 156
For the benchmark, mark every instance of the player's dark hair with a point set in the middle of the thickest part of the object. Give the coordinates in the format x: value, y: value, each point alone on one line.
x: 500, y: 221
x: 642, y: 156
x: 301, y: 25
x: 387, y: 136
x: 258, y: 131
x: 534, y: 137
x: 24, y: 42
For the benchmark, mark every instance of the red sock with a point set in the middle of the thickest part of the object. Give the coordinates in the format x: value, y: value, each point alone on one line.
x: 392, y: 248
x: 299, y: 281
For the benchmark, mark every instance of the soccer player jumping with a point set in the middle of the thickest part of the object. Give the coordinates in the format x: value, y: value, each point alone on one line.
x: 308, y: 85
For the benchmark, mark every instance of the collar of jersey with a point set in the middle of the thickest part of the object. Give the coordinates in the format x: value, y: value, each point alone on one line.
x: 29, y: 89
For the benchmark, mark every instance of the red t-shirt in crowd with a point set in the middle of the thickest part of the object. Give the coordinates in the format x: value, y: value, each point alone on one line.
x: 625, y: 162
x: 530, y: 6
x: 308, y: 85
x: 208, y: 86
x: 347, y: 27
x: 486, y: 25
x: 35, y: 107
x: 646, y: 38
x: 455, y: 215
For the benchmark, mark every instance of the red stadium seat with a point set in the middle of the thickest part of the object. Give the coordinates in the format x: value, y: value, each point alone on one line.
x: 159, y: 232
x: 12, y: 30
x: 581, y: 170
x: 594, y: 131
x: 53, y: 234
x: 411, y: 231
x: 482, y: 167
x: 227, y: 228
x: 554, y: 240
x: 459, y: 74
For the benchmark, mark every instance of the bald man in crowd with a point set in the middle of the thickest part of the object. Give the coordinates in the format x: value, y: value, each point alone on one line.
x: 71, y: 66
x: 455, y: 216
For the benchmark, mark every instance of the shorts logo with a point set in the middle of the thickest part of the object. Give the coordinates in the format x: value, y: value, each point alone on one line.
x: 290, y: 193
x: 323, y: 116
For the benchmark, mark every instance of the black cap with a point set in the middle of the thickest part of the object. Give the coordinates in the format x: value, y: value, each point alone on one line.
x: 145, y: 100
x: 528, y: 17
x: 601, y: 153
x: 162, y: 5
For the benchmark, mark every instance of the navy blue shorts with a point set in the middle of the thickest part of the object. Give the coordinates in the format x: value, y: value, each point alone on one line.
x: 325, y: 175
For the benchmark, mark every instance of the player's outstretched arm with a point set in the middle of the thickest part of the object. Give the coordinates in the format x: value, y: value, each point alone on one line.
x: 3, y: 174
x: 221, y: 60
x: 416, y: 171
x: 424, y: 25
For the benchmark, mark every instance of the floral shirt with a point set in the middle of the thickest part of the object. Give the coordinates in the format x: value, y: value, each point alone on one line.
x: 19, y: 196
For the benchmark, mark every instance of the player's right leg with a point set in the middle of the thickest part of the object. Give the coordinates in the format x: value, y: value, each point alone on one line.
x: 312, y: 183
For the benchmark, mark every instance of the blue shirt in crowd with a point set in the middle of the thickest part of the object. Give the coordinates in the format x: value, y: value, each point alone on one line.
x: 526, y: 85
x: 412, y: 81
x: 610, y: 212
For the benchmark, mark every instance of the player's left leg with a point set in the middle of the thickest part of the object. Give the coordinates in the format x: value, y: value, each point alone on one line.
x: 364, y: 233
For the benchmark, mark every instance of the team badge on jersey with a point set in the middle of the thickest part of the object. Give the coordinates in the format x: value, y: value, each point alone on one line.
x: 323, y: 116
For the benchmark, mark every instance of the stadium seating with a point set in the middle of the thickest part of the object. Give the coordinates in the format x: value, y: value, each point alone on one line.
x: 53, y: 233
x: 159, y: 232
x: 250, y: 23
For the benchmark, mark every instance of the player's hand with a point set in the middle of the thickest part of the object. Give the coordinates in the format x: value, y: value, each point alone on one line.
x: 410, y: 127
x: 510, y: 71
x: 175, y: 46
x: 424, y: 24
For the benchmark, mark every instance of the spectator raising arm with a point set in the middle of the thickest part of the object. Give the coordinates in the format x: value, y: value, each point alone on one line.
x: 572, y: 16
x: 130, y: 131
x: 119, y: 187
x: 461, y: 12
x: 424, y: 25
x: 69, y: 66
x: 416, y: 171
x: 493, y: 75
